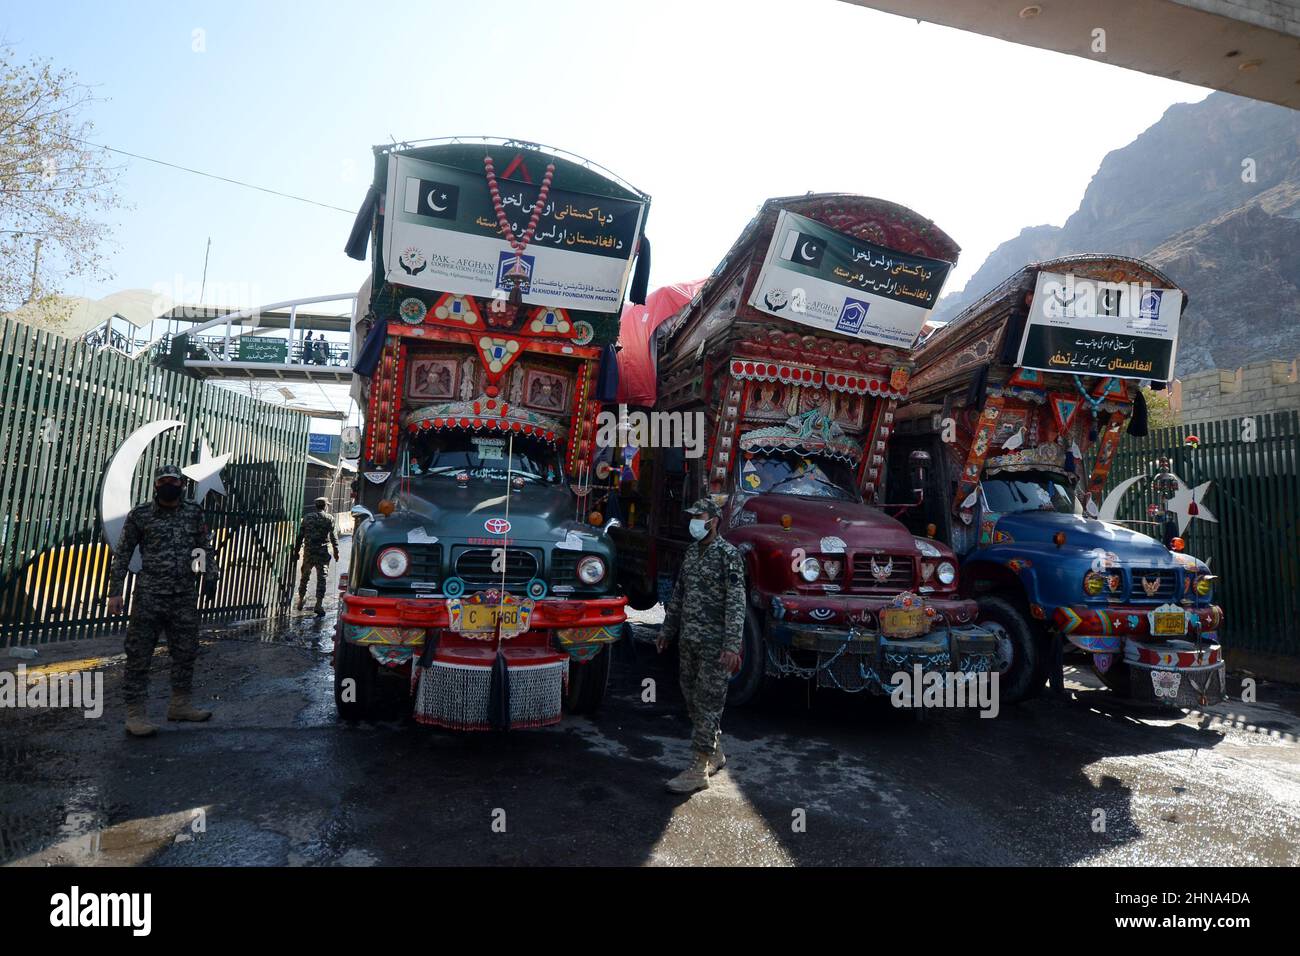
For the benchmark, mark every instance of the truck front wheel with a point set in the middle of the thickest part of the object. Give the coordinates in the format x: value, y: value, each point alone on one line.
x: 748, y: 683
x: 587, y: 683
x: 1017, y: 653
x: 354, y: 682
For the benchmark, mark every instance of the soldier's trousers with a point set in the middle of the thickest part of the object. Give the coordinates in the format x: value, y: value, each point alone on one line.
x: 174, y: 616
x: 704, y: 685
x: 322, y: 571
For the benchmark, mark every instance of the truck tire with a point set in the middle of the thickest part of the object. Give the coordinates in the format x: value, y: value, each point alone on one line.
x: 355, y: 663
x: 588, y: 681
x: 748, y: 684
x: 1020, y: 655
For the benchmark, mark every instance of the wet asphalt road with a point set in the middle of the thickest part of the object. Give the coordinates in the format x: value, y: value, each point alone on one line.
x: 274, y: 778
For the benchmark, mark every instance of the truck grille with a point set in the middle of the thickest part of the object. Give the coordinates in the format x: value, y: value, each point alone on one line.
x: 564, y: 567
x: 426, y: 563
x: 1165, y: 591
x: 474, y: 566
x: 898, y: 579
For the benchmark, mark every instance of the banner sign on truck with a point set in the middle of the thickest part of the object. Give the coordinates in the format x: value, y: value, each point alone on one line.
x: 441, y: 233
x: 816, y: 276
x: 1088, y: 327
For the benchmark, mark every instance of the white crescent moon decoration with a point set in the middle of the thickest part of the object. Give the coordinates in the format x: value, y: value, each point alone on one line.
x: 1110, y: 506
x: 115, y: 498
x: 433, y: 205
x: 803, y: 252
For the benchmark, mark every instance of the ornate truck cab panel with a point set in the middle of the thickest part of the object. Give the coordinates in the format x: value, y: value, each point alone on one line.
x: 1024, y: 455
x: 482, y: 588
x: 795, y: 352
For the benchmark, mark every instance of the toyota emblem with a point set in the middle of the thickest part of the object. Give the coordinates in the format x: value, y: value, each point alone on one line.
x: 497, y: 526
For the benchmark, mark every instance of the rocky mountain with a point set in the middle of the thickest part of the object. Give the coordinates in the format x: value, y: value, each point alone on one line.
x: 1177, y: 196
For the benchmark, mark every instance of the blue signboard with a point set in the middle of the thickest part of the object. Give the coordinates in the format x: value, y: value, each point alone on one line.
x: 319, y: 444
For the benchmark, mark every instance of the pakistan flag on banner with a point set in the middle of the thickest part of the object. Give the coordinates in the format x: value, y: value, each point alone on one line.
x: 816, y: 276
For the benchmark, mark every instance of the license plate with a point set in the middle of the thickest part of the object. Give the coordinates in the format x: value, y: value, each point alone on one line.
x: 1170, y: 623
x: 480, y: 618
x: 903, y: 622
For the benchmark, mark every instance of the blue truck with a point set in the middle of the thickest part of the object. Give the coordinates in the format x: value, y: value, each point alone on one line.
x: 1020, y: 403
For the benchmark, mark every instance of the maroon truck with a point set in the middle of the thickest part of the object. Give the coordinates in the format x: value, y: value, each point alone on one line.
x: 796, y: 393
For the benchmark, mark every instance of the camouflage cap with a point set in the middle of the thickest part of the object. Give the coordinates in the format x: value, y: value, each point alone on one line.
x: 168, y: 471
x: 705, y: 506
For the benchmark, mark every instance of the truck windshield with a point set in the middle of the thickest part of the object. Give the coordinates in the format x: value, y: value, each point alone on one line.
x: 790, y: 473
x: 451, y: 454
x: 1029, y: 491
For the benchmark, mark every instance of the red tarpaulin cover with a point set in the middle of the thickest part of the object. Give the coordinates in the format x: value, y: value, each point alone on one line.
x: 636, y: 362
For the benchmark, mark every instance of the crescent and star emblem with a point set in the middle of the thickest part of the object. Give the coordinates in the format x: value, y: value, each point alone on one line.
x: 115, y: 500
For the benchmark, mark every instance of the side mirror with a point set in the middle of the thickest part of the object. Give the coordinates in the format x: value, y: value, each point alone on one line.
x: 361, y: 513
x: 611, y: 523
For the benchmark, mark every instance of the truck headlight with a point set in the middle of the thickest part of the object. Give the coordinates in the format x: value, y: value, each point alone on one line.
x: 1093, y: 583
x: 591, y: 570
x: 1205, y: 584
x: 946, y: 572
x: 393, y: 562
x: 810, y: 570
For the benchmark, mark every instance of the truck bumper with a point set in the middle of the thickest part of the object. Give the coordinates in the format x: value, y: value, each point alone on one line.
x: 1104, y: 629
x: 850, y: 653
x: 1179, y: 671
x: 455, y: 678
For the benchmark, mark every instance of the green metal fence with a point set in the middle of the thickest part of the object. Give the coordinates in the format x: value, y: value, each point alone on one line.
x: 65, y: 409
x: 1254, y: 493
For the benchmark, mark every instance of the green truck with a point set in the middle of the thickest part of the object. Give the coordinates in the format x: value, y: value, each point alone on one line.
x: 481, y: 592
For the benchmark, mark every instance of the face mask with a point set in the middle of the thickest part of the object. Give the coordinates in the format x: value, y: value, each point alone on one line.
x: 699, y: 528
x: 168, y: 493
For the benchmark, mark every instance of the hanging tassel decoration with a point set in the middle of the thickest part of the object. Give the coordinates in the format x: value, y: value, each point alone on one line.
x: 1137, y: 426
x: 499, y: 694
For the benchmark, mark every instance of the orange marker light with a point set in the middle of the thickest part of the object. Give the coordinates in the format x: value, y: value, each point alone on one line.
x: 1178, y: 544
x: 786, y: 522
x: 1059, y: 538
x: 595, y: 518
x: 386, y: 507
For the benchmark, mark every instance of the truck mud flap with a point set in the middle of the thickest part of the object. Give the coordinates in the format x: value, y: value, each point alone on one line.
x: 1187, y: 687
x: 459, y: 695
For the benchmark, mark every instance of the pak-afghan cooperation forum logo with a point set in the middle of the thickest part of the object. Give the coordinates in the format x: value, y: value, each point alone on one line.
x: 852, y: 314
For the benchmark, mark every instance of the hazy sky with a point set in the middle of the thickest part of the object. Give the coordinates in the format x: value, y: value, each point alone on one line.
x: 711, y: 106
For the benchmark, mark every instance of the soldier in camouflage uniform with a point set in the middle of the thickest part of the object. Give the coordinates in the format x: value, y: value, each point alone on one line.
x: 315, y: 533
x: 175, y: 547
x: 706, y: 616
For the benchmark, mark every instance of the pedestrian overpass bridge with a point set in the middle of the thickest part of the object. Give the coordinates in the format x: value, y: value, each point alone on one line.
x: 268, y: 342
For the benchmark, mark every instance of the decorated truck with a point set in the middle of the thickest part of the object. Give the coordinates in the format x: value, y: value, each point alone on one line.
x: 787, y: 367
x: 1021, y: 402
x: 481, y: 593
